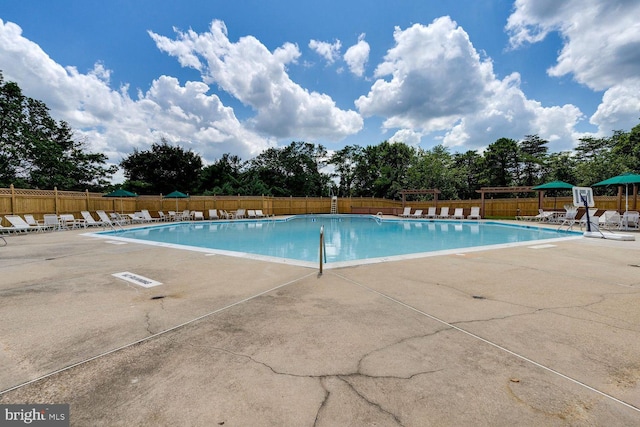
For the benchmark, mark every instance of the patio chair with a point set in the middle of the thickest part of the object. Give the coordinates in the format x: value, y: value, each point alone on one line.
x: 51, y: 221
x: 431, y: 212
x: 458, y: 213
x: 592, y: 214
x: 213, y: 214
x: 416, y: 214
x: 20, y: 225
x: 251, y: 213
x: 444, y: 213
x: 147, y: 216
x: 259, y: 213
x: 406, y: 212
x: 70, y: 221
x: 89, y: 220
x: 475, y: 213
x: 162, y: 216
x: 198, y: 216
x: 631, y: 219
x: 609, y: 220
x: 569, y: 218
x: 239, y: 213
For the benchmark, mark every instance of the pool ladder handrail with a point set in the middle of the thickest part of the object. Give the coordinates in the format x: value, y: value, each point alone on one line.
x: 323, y: 250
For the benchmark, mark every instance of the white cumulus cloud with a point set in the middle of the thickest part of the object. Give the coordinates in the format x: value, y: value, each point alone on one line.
x: 433, y: 79
x: 601, y: 49
x: 247, y: 70
x: 329, y: 51
x: 357, y: 56
x: 111, y: 121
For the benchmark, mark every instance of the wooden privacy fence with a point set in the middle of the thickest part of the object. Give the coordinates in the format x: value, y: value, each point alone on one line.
x: 40, y: 202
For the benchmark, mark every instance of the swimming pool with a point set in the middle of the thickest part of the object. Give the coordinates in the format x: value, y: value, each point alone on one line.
x: 349, y: 239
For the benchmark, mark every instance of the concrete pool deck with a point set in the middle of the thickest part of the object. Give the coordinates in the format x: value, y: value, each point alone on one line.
x: 528, y: 335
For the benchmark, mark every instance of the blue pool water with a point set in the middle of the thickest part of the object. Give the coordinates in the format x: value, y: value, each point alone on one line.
x: 347, y: 237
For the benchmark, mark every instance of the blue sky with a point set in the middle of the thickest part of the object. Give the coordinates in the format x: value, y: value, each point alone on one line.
x: 239, y: 77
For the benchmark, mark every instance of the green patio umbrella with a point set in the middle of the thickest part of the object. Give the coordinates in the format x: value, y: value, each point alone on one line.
x: 553, y: 185
x: 176, y: 195
x: 120, y: 193
x: 624, y: 179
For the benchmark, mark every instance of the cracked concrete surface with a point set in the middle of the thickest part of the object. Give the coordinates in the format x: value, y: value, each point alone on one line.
x: 501, y: 337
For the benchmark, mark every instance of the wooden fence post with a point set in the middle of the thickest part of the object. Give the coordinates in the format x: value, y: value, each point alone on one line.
x: 13, y: 199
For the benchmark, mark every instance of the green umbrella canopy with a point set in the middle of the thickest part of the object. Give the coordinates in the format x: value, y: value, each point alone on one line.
x: 120, y: 193
x: 176, y: 195
x: 624, y: 179
x: 553, y: 185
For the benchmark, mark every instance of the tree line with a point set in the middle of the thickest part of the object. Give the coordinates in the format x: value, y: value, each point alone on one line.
x: 38, y: 152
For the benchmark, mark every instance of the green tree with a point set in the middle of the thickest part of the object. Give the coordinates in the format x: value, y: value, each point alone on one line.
x: 469, y: 166
x: 224, y: 176
x: 345, y: 162
x: 162, y: 169
x: 533, y: 154
x: 382, y: 169
x: 294, y: 170
x: 501, y: 163
x: 36, y: 151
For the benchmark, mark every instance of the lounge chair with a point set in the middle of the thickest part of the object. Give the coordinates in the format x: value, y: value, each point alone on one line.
x: 444, y: 213
x: 592, y: 217
x: 406, y: 212
x: 431, y: 212
x: 147, y: 216
x: 89, y: 221
x: 569, y: 218
x: 51, y: 221
x: 162, y: 216
x: 69, y: 221
x: 416, y: 214
x: 458, y: 213
x: 251, y: 213
x: 213, y: 214
x: 198, y: 215
x: 610, y: 219
x: 20, y: 225
x: 475, y: 213
x: 239, y: 213
x: 631, y: 219
x: 259, y: 213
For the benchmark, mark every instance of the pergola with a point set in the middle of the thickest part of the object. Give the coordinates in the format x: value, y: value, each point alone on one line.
x: 433, y: 191
x: 491, y: 190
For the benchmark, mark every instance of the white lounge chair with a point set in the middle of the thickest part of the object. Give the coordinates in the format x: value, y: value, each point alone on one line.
x: 444, y: 213
x: 106, y: 220
x: 162, y: 216
x: 431, y: 212
x: 20, y: 225
x: 631, y: 219
x: 259, y: 213
x: 475, y: 213
x: 89, y: 220
x: 198, y: 216
x: 147, y: 216
x: 458, y: 213
x: 69, y: 221
x: 251, y: 213
x: 569, y: 218
x: 213, y: 214
x: 51, y: 221
x: 609, y: 220
x: 416, y: 214
x: 239, y: 213
x: 406, y: 212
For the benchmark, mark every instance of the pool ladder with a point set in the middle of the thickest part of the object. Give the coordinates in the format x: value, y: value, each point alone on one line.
x: 334, y: 205
x: 323, y: 250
